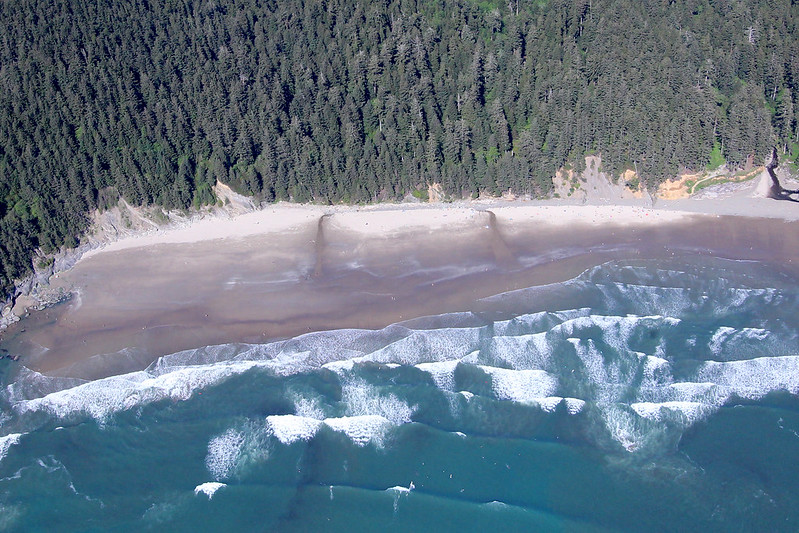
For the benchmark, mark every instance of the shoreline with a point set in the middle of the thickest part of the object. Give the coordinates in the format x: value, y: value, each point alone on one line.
x: 241, y: 218
x: 397, y: 217
x: 289, y: 269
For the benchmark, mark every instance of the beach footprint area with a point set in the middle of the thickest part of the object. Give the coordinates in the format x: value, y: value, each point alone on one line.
x: 525, y: 367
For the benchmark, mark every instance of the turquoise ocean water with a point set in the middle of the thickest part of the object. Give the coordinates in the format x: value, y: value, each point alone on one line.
x: 639, y: 396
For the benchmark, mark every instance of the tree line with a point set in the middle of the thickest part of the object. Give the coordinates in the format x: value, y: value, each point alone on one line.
x: 362, y: 101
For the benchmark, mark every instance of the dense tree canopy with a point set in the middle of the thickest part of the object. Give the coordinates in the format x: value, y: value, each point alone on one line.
x: 362, y: 100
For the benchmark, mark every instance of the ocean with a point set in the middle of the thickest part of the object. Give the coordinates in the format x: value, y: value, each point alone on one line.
x: 639, y: 396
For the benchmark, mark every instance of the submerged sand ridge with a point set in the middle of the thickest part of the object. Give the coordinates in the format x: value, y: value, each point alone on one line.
x: 290, y: 270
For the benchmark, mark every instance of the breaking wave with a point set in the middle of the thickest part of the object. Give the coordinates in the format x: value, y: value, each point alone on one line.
x: 7, y: 442
x: 634, y: 345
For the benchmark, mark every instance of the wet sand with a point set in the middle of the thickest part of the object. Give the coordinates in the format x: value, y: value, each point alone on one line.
x: 136, y: 304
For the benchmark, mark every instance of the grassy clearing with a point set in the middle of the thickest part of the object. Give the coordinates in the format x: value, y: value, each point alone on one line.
x: 695, y: 186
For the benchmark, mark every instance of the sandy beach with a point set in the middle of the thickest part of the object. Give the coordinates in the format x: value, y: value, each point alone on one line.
x: 291, y: 269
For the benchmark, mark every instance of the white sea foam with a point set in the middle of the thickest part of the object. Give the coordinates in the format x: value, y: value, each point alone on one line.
x: 290, y: 363
x: 442, y: 372
x: 671, y: 301
x: 737, y: 297
x: 442, y: 344
x: 223, y: 452
x: 532, y: 351
x: 612, y: 374
x: 574, y: 405
x: 719, y: 337
x: 524, y: 386
x: 690, y: 401
x: 364, y: 399
x: 690, y: 389
x: 521, y: 325
x: 30, y: 384
x: 605, y: 376
x: 630, y: 389
x: 308, y: 407
x: 623, y: 428
x: 103, y: 397
x: 686, y: 391
x: 400, y: 492
x: 209, y: 488
x: 716, y: 382
x: 326, y: 344
x: 533, y: 323
x: 205, y: 355
x: 551, y: 403
x: 340, y: 367
x: 234, y: 451
x: 7, y: 442
x: 472, y: 358
x: 399, y: 488
x: 743, y: 341
x: 290, y: 428
x: 614, y: 329
x: 496, y: 505
x: 753, y: 378
x: 361, y: 429
x: 692, y: 411
x: 656, y: 371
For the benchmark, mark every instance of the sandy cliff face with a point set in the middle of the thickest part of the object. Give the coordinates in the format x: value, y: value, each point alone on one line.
x: 593, y: 185
x: 435, y: 193
x: 123, y: 220
x: 674, y: 189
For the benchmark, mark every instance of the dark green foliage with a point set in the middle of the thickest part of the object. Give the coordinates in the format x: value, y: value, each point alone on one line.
x: 357, y: 101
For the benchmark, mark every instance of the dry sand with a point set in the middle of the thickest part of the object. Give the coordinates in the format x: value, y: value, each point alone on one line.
x: 288, y: 269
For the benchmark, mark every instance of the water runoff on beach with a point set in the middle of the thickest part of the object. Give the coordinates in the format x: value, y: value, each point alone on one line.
x: 638, y: 396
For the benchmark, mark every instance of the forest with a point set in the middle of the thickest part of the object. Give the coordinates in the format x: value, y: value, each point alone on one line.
x: 359, y: 101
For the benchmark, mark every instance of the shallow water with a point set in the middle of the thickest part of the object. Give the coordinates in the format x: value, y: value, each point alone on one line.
x: 641, y: 395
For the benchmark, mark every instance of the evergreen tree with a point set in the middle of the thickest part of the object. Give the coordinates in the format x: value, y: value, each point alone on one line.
x: 354, y: 100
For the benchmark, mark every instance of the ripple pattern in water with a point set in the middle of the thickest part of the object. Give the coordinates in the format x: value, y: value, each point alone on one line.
x: 635, y: 395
